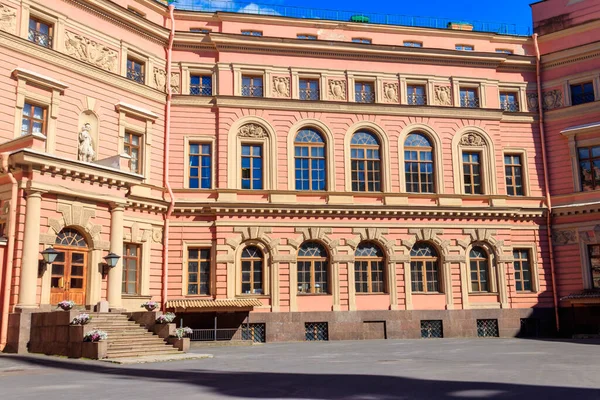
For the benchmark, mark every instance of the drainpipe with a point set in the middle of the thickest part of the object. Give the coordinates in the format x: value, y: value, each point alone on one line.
x: 166, y: 160
x: 546, y: 180
x: 10, y: 248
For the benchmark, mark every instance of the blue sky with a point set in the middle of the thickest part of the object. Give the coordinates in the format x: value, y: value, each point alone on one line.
x: 505, y: 11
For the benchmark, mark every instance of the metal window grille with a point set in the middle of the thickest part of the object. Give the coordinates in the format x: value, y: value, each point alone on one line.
x: 469, y: 102
x: 416, y: 99
x: 136, y: 76
x: 252, y: 91
x: 432, y: 329
x: 365, y: 97
x: 510, y: 106
x: 40, y: 38
x: 316, y: 331
x: 201, y: 89
x: 586, y: 97
x: 254, y: 332
x: 530, y: 327
x: 487, y: 328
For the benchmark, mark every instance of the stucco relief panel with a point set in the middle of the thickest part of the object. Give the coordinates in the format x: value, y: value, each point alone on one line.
x: 564, y: 237
x: 252, y: 131
x: 175, y: 82
x: 443, y: 95
x: 550, y: 100
x: 8, y: 19
x: 390, y: 92
x: 472, y: 139
x: 159, y: 79
x: 337, y: 89
x: 281, y: 86
x: 90, y: 51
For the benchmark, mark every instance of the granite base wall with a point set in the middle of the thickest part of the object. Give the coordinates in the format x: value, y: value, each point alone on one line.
x: 360, y: 325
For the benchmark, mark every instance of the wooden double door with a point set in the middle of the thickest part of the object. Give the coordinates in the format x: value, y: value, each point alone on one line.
x: 69, y: 275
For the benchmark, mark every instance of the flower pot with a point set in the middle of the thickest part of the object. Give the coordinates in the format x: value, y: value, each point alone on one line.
x: 94, y: 350
x: 182, y: 344
x: 150, y: 308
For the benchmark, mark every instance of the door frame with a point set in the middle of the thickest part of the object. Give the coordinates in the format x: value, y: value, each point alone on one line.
x: 70, y: 249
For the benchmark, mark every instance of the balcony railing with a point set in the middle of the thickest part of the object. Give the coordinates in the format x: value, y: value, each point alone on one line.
x: 582, y: 98
x: 40, y: 38
x: 510, y: 106
x: 215, y: 335
x: 469, y: 102
x: 416, y: 99
x: 252, y: 91
x: 309, y: 94
x: 137, y: 76
x: 364, y: 97
x: 200, y: 90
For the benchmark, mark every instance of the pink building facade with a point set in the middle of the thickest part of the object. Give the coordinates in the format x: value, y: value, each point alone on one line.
x: 316, y: 179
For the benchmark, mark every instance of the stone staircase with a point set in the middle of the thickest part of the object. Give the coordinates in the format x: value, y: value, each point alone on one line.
x: 129, y: 339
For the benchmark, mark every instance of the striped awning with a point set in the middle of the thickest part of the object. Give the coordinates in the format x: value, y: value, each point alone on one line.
x: 214, y: 303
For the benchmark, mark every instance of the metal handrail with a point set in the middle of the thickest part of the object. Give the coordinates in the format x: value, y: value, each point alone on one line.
x: 250, y: 7
x: 212, y: 335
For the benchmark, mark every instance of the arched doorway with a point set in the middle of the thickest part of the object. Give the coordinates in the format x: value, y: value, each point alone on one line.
x: 69, y: 271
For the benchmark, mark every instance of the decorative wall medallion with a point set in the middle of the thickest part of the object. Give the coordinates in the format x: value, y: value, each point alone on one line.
x: 160, y: 79
x: 8, y: 19
x: 552, y: 99
x: 252, y: 131
x: 86, y: 145
x: 443, y: 96
x: 90, y: 51
x: 337, y: 90
x: 281, y: 86
x: 175, y: 82
x: 390, y: 92
x: 532, y: 101
x: 472, y: 139
x: 561, y: 238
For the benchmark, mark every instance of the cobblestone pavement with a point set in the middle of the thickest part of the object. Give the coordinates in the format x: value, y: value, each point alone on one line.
x: 358, y: 370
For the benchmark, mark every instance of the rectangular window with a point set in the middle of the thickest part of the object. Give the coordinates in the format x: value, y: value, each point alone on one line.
x: 306, y: 37
x: 464, y: 47
x: 364, y: 92
x: 200, y: 30
x: 131, y: 267
x: 487, y: 328
x: 415, y: 95
x: 136, y: 70
x: 432, y: 329
x: 198, y: 271
x: 469, y: 98
x: 594, y: 251
x: 509, y: 102
x: 133, y: 147
x: 33, y: 120
x: 252, y: 166
x: 412, y: 44
x: 201, y: 85
x: 252, y: 86
x: 362, y: 40
x: 200, y: 166
x: 522, y: 265
x: 40, y: 32
x: 589, y: 167
x: 504, y: 51
x: 472, y: 172
x: 582, y: 93
x: 254, y: 332
x: 513, y: 170
x: 252, y: 33
x: 309, y: 89
x: 316, y: 331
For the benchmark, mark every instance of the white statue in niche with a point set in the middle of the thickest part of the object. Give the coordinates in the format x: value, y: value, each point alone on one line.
x: 86, y: 145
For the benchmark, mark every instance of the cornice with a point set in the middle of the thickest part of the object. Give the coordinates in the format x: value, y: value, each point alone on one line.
x: 583, y: 27
x: 571, y: 55
x: 591, y: 110
x: 333, y: 106
x: 24, y: 46
x: 347, y: 50
x: 576, y: 209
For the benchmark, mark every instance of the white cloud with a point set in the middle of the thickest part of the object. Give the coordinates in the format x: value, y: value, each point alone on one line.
x: 253, y: 8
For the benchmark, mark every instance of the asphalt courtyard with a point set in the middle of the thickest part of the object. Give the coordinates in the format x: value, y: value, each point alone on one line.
x: 357, y: 370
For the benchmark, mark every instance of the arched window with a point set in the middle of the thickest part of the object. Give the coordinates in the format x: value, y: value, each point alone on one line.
x: 418, y: 164
x: 479, y: 266
x: 252, y: 270
x: 368, y: 269
x: 365, y: 158
x: 70, y: 237
x: 309, y: 155
x: 424, y: 268
x: 312, y: 269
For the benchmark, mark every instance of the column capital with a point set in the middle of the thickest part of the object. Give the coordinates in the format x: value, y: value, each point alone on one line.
x: 117, y: 207
x: 34, y: 192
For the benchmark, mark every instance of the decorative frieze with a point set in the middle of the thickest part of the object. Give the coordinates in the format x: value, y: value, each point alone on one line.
x: 337, y: 89
x: 390, y: 92
x: 254, y: 131
x: 443, y: 95
x: 8, y: 19
x: 472, y: 139
x: 90, y: 51
x: 281, y: 86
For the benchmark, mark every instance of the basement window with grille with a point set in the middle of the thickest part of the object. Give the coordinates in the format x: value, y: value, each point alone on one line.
x: 487, y: 328
x: 254, y: 332
x: 432, y: 329
x: 316, y: 331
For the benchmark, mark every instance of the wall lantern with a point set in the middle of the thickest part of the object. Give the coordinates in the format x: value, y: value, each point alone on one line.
x: 110, y: 261
x: 49, y: 256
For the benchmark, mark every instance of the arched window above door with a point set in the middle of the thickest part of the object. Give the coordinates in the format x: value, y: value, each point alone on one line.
x: 70, y: 237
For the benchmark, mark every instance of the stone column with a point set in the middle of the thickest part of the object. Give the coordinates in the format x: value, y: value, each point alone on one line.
x: 31, y: 252
x: 115, y: 275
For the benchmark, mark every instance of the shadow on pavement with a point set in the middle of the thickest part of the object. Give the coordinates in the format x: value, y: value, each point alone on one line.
x: 320, y: 386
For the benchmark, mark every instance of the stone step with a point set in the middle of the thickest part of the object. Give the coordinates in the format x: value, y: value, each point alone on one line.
x: 129, y: 339
x: 139, y: 346
x: 135, y: 353
x: 109, y: 326
x: 128, y: 333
